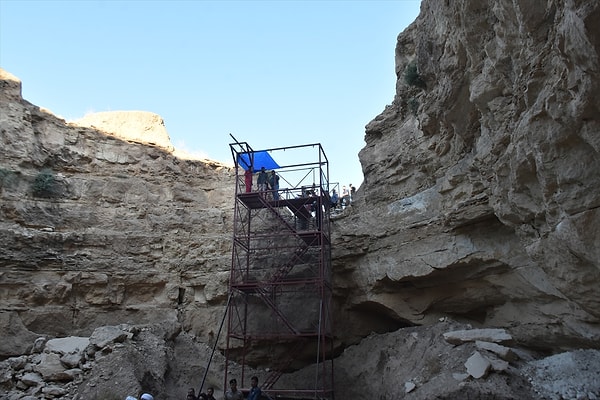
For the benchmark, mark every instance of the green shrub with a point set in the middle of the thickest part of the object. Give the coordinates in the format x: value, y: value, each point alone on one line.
x: 7, y: 177
x: 44, y: 184
x: 412, y: 77
x: 413, y: 105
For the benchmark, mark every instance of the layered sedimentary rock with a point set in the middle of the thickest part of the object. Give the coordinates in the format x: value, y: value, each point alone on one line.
x: 138, y: 126
x: 98, y: 229
x: 482, y: 179
x: 480, y: 204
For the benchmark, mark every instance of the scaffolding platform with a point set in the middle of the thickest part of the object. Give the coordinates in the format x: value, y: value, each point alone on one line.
x: 279, y: 311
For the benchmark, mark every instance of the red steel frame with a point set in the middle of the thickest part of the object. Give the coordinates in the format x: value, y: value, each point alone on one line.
x: 280, y: 287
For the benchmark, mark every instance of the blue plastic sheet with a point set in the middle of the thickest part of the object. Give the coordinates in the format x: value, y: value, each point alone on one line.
x: 260, y: 158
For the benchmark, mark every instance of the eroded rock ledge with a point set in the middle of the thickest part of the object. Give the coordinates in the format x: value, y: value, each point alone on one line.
x: 480, y: 203
x: 482, y: 179
x: 97, y: 229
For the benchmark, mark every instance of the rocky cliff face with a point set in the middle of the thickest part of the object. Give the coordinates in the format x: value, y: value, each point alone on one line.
x: 482, y: 179
x: 98, y: 229
x: 480, y: 207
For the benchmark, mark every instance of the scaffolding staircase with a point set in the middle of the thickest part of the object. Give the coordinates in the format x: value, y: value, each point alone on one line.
x: 280, y: 284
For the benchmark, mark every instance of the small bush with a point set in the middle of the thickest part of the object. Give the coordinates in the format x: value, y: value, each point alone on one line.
x: 412, y: 77
x: 43, y: 185
x: 7, y: 177
x: 413, y: 105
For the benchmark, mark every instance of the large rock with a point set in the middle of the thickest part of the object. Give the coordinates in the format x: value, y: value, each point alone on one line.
x: 97, y: 230
x: 105, y: 335
x: 419, y: 356
x: 17, y: 339
x: 506, y: 353
x: 482, y: 178
x: 472, y: 335
x: 135, y: 126
x: 51, y: 368
x: 569, y: 375
x: 480, y: 202
x: 477, y: 365
x: 67, y: 345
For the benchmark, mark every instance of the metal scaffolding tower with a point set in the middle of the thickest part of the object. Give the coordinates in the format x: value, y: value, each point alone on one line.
x: 279, y: 308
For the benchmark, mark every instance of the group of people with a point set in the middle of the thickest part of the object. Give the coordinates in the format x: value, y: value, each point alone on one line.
x: 233, y: 393
x: 267, y: 181
x: 346, y: 198
x: 209, y: 395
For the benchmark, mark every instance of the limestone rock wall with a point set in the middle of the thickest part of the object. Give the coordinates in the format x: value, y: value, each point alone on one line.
x: 482, y: 179
x: 98, y: 230
x: 480, y: 205
x: 137, y: 126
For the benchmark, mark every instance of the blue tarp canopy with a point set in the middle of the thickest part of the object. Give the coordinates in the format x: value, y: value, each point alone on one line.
x: 260, y: 158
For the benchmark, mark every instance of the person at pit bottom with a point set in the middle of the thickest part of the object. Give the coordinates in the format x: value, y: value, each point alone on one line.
x: 255, y: 391
x: 233, y: 393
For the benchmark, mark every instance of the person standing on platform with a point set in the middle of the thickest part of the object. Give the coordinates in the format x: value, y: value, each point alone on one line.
x: 274, y: 183
x: 248, y: 179
x: 345, y: 197
x: 262, y: 181
x: 334, y: 199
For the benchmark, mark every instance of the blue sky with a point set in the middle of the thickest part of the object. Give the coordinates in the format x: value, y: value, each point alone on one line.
x: 272, y: 73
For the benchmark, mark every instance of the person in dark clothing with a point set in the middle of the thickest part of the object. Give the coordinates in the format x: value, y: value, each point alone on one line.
x: 335, y: 198
x: 209, y: 394
x: 254, y: 389
x: 262, y: 181
x: 274, y: 184
x: 191, y: 394
x: 233, y: 393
